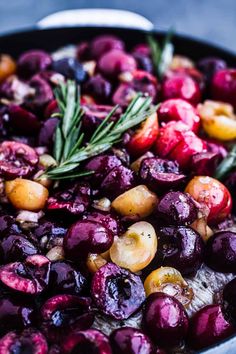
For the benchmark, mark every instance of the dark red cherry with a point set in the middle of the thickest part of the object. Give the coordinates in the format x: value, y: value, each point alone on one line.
x: 62, y: 314
x: 115, y: 62
x: 165, y: 319
x: 17, y: 159
x: 207, y: 327
x: 29, y: 341
x: 30, y: 277
x: 65, y: 279
x: 99, y: 88
x: 8, y: 226
x: 103, y: 44
x: 177, y: 208
x: 101, y: 165
x: 90, y: 341
x: 180, y: 247
x: 71, y: 68
x: 117, y: 181
x: 128, y: 340
x: 86, y: 237
x: 16, y: 248
x: 205, y: 163
x: 74, y: 199
x: 42, y: 95
x: 159, y: 174
x: 15, y: 313
x: 117, y: 292
x: 229, y: 301
x: 32, y: 62
x: 209, y: 66
x: 23, y: 121
x: 108, y: 220
x: 220, y: 252
x: 223, y: 86
x: 46, y: 133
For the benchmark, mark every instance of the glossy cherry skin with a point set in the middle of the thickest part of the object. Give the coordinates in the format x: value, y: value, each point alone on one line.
x: 16, y: 248
x: 86, y: 237
x: 128, y: 340
x: 103, y: 44
x: 43, y: 94
x: 117, y: 292
x: 181, y: 86
x: 117, y: 181
x: 205, y: 163
x: 49, y: 234
x: 165, y: 319
x: 29, y: 341
x: 114, y: 62
x: 221, y: 252
x: 213, y: 196
x: 177, y: 208
x: 32, y: 62
x: 177, y: 142
x: 73, y: 199
x: 101, y: 165
x: 108, y: 220
x: 144, y: 137
x: 62, y: 314
x: 90, y: 341
x: 65, y: 279
x: 99, y: 88
x: 229, y: 301
x: 178, y: 109
x: 71, y: 68
x: 23, y: 121
x: 47, y: 130
x: 208, y: 326
x: 223, y: 86
x: 180, y: 247
x: 29, y: 277
x: 15, y: 314
x: 160, y: 174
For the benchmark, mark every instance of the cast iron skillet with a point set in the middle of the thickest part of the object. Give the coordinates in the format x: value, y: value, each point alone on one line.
x: 52, y: 39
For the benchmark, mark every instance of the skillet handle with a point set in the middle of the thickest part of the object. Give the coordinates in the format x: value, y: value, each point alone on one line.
x: 96, y: 17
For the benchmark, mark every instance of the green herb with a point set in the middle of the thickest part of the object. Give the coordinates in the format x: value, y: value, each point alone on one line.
x: 226, y: 165
x: 161, y: 55
x: 69, y: 146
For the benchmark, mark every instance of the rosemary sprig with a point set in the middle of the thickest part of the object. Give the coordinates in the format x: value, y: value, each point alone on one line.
x: 69, y: 147
x: 228, y: 163
x: 161, y: 55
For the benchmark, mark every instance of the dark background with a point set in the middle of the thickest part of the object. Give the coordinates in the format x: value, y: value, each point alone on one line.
x: 213, y: 20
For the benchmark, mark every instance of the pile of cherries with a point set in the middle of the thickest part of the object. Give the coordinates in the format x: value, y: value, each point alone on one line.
x: 121, y: 240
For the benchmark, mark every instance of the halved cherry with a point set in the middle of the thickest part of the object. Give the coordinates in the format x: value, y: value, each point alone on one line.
x: 30, y: 277
x: 144, y: 137
x: 169, y: 281
x: 16, y: 159
x: 213, y: 195
x: 178, y: 109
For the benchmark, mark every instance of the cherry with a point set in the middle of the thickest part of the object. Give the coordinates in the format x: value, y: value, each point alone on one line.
x: 86, y: 237
x: 29, y: 341
x: 62, y: 314
x: 128, y: 340
x: 32, y: 62
x: 71, y: 68
x: 16, y: 248
x: 46, y: 133
x: 17, y: 159
x: 177, y: 208
x: 83, y: 342
x: 108, y: 220
x: 103, y: 44
x: 165, y: 319
x: 208, y: 326
x: 42, y: 95
x: 99, y: 88
x: 23, y: 121
x: 229, y: 303
x: 180, y: 247
x: 221, y: 252
x: 30, y: 277
x: 178, y: 109
x: 223, y: 87
x: 116, y: 291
